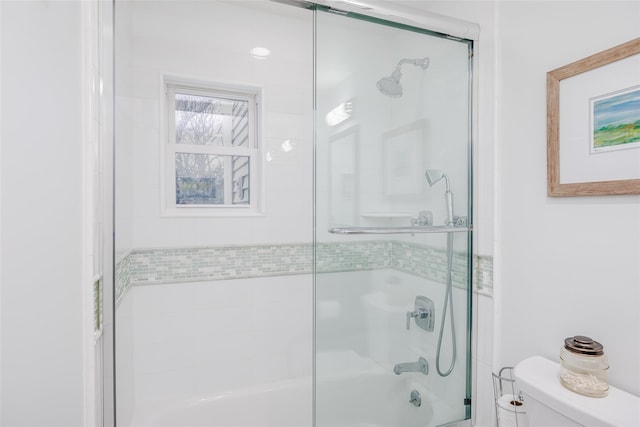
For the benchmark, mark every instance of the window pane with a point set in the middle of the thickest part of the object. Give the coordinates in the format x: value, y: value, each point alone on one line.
x: 206, y: 179
x: 199, y: 179
x: 209, y: 120
x: 240, y: 176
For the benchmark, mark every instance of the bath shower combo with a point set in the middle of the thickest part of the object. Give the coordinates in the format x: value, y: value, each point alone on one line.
x: 365, y: 179
x: 391, y: 87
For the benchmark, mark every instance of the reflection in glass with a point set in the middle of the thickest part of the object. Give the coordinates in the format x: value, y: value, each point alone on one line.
x: 206, y: 179
x: 205, y: 120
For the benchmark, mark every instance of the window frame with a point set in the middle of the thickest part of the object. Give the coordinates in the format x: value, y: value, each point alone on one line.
x: 170, y: 85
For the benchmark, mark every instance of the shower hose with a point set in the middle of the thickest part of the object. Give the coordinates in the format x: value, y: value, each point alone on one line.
x: 447, y: 307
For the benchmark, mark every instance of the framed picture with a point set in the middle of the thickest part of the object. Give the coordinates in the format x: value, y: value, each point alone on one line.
x: 593, y: 124
x: 403, y: 159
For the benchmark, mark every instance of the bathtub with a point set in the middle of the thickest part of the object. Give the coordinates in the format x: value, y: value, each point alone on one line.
x: 237, y: 353
x: 373, y: 399
x: 283, y: 404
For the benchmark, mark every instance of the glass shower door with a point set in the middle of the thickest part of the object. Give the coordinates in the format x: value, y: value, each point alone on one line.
x: 392, y: 234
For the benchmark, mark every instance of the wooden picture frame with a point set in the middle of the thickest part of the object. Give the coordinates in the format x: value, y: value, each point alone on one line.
x: 599, y: 187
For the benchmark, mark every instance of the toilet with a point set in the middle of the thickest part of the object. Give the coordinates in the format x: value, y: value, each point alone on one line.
x: 549, y: 404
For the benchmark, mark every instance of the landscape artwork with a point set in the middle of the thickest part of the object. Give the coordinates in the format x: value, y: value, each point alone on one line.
x: 615, y: 121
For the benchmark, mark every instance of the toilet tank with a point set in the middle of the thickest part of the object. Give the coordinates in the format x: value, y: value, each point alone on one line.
x: 548, y: 403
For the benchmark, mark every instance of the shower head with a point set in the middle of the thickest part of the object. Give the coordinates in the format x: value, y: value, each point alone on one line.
x: 434, y: 176
x: 390, y: 86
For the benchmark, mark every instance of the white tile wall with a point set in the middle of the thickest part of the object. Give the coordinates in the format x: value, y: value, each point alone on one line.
x: 202, y: 339
x: 205, y: 338
x: 208, y: 41
x: 371, y: 323
x: 483, y: 399
x: 125, y: 382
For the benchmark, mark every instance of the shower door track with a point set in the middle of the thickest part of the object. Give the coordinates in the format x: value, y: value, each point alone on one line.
x: 430, y: 22
x: 398, y: 230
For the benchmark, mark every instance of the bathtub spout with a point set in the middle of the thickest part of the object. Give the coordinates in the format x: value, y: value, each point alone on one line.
x: 420, y: 366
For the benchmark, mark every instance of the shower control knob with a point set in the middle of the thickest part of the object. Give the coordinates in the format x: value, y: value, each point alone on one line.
x: 418, y: 314
x: 423, y: 313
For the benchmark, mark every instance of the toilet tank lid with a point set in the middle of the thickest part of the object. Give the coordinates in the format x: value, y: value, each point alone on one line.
x: 540, y: 379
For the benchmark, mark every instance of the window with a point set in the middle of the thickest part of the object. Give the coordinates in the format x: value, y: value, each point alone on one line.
x: 211, y: 154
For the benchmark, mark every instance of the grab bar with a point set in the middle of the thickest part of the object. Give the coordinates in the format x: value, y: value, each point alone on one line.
x: 399, y: 230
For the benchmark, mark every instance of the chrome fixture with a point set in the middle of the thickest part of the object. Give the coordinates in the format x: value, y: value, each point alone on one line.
x: 415, y: 399
x: 433, y: 177
x: 423, y: 313
x: 414, y: 229
x: 425, y: 218
x: 390, y: 85
x: 420, y: 366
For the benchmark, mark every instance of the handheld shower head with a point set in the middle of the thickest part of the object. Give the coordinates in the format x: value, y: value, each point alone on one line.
x: 390, y: 85
x: 434, y: 176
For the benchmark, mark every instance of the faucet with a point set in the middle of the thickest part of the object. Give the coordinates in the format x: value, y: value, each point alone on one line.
x: 420, y: 366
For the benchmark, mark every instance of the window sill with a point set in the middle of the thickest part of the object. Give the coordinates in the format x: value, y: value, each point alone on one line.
x: 210, y: 213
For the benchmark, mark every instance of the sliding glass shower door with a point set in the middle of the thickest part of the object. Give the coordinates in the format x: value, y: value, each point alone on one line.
x: 392, y: 233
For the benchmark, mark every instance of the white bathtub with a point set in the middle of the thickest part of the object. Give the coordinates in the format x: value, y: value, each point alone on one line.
x: 238, y: 353
x: 283, y: 404
x: 373, y: 399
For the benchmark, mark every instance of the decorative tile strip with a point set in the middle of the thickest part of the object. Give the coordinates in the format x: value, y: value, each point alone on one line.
x: 98, y: 309
x: 430, y: 263
x: 353, y: 256
x: 483, y: 273
x: 212, y: 263
x: 122, y: 275
x: 155, y: 266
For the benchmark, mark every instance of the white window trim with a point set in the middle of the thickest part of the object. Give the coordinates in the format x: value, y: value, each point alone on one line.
x: 169, y: 148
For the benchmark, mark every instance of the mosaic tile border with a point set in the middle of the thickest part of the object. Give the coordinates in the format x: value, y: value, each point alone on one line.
x: 483, y: 274
x: 353, y: 256
x: 171, y: 265
x: 430, y: 263
x: 123, y: 275
x: 213, y: 263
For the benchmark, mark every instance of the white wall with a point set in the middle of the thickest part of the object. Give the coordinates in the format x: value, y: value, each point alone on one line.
x: 211, y: 41
x: 205, y: 339
x: 123, y: 130
x: 41, y: 252
x: 432, y: 114
x: 566, y: 266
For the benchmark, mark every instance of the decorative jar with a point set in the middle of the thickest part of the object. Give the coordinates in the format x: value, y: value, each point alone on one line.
x: 584, y: 366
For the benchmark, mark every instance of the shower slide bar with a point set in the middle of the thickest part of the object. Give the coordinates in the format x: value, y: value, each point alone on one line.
x: 399, y: 230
